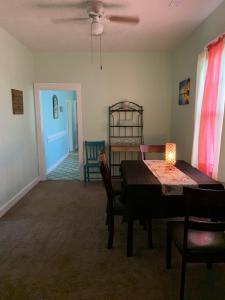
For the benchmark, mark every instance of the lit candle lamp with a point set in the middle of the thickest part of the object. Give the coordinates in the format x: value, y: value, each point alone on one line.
x: 171, y: 154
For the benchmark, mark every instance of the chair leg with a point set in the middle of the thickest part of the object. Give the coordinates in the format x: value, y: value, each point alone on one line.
x: 130, y: 237
x: 85, y: 175
x: 150, y: 232
x: 88, y: 174
x: 107, y: 219
x: 168, y: 248
x: 182, y: 284
x: 107, y: 215
x: 111, y: 230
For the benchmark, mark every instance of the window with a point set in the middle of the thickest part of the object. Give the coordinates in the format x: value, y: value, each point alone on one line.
x: 209, y: 110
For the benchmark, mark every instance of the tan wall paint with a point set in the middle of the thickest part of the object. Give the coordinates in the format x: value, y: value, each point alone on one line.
x: 18, y: 152
x: 185, y: 65
x: 144, y: 78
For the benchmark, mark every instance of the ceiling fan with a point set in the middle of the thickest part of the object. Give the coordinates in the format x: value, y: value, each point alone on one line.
x: 95, y: 13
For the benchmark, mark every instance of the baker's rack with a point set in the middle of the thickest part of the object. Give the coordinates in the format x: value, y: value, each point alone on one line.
x: 125, y: 133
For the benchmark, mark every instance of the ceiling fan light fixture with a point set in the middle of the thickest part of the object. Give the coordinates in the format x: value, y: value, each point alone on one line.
x: 97, y: 28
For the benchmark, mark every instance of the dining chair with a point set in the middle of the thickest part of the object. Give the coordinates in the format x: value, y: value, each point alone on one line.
x: 115, y: 198
x: 92, y: 150
x: 115, y: 205
x: 150, y: 149
x: 198, y: 240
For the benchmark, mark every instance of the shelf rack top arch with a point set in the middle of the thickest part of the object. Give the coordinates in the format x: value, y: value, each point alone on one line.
x: 126, y: 105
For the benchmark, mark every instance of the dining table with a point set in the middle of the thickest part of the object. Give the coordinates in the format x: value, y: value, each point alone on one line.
x: 144, y: 195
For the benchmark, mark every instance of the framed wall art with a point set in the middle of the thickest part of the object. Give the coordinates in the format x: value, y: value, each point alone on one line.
x: 184, y: 92
x: 55, y: 107
x: 17, y: 102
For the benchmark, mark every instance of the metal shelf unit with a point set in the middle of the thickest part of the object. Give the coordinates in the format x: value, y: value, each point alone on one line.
x: 125, y: 133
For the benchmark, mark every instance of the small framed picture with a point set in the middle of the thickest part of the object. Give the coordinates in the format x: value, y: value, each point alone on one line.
x: 55, y: 107
x: 17, y: 102
x: 184, y: 92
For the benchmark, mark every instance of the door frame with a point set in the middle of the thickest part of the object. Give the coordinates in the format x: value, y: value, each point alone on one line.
x: 39, y: 121
x: 70, y: 112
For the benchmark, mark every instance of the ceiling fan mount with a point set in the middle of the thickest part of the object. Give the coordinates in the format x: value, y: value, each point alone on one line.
x: 95, y: 9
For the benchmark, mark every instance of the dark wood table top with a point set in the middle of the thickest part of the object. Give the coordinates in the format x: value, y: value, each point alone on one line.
x: 135, y: 173
x: 143, y: 191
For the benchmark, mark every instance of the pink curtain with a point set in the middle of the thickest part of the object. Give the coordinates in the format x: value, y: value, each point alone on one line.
x: 206, y: 142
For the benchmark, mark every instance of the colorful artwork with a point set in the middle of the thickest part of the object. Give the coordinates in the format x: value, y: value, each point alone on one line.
x: 55, y: 107
x: 184, y: 92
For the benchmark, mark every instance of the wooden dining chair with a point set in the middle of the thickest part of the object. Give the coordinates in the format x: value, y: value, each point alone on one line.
x: 115, y: 206
x: 92, y: 150
x: 198, y: 241
x: 151, y: 149
x: 115, y: 202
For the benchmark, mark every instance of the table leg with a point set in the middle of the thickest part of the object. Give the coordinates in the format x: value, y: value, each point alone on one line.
x: 130, y: 238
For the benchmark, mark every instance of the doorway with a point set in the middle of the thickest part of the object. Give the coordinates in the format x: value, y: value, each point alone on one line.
x: 59, y: 131
x: 71, y: 107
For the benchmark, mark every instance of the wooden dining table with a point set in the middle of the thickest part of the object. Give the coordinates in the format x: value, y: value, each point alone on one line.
x: 143, y: 193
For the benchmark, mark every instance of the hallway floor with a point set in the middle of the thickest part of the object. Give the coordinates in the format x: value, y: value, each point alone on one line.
x: 67, y: 170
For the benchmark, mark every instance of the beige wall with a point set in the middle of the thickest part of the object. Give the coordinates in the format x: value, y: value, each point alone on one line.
x: 18, y: 154
x: 141, y: 77
x: 185, y: 65
x: 144, y: 78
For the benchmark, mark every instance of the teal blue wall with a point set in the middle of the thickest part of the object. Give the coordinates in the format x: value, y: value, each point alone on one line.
x: 58, y: 148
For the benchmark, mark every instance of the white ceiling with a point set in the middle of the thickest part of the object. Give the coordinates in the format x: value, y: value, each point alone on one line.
x: 161, y: 26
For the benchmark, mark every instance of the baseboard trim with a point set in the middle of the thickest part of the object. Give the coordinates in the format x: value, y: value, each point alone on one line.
x: 57, y: 163
x: 7, y: 206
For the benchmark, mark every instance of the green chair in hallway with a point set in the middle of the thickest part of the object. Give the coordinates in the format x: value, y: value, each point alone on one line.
x: 92, y: 150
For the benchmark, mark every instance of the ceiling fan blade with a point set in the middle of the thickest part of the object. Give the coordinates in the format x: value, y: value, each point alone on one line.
x: 113, y: 5
x: 124, y: 19
x: 68, y: 20
x: 81, y: 5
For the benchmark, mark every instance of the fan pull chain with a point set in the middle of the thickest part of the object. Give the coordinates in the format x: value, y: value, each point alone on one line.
x: 100, y: 53
x: 91, y: 45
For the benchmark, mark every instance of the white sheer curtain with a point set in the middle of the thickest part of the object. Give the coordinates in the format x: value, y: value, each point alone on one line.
x: 200, y: 83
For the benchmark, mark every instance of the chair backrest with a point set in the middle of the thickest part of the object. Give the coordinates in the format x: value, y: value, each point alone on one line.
x: 203, y: 203
x: 106, y: 176
x: 93, y: 149
x: 151, y: 149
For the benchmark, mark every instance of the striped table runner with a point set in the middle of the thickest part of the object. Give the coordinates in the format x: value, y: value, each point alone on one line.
x: 172, y: 179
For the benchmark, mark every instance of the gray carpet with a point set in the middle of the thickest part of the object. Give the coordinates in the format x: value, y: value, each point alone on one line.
x: 53, y: 247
